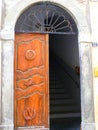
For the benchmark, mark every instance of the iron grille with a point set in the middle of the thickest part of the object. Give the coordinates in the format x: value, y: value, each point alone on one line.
x: 46, y: 18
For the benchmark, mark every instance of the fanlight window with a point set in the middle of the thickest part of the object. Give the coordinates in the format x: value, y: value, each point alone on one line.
x: 46, y: 18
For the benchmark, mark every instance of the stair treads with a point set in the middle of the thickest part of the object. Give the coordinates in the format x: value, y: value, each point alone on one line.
x: 59, y: 96
x: 57, y: 86
x: 52, y: 78
x: 65, y: 104
x: 58, y: 91
x: 52, y: 74
x: 66, y: 115
x: 62, y: 95
x: 55, y: 82
x: 64, y: 109
x: 60, y: 101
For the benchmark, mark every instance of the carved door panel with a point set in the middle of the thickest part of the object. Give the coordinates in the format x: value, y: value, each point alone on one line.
x: 31, y: 80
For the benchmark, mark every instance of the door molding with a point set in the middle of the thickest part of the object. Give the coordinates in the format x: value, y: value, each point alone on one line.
x: 31, y: 80
x: 29, y: 128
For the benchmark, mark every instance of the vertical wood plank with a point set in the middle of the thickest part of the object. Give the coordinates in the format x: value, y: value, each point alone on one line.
x: 31, y: 80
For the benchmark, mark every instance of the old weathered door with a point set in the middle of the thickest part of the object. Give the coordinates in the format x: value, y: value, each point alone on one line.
x: 31, y: 81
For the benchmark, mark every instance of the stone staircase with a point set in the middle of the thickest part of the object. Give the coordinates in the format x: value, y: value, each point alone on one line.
x: 62, y: 105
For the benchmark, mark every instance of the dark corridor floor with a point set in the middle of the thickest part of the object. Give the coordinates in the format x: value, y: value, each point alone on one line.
x: 61, y: 124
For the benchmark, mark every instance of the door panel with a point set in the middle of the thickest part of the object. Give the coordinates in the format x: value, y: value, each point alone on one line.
x: 31, y: 80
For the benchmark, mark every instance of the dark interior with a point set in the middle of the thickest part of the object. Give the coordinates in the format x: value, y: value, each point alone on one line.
x: 65, y: 110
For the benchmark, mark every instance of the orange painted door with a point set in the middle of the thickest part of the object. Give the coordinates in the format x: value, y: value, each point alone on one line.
x: 31, y: 81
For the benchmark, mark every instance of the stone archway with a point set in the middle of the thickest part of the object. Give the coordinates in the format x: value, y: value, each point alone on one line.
x: 7, y: 36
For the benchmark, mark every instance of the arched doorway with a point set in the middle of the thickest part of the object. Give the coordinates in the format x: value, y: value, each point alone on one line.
x: 85, y: 45
x: 31, y: 74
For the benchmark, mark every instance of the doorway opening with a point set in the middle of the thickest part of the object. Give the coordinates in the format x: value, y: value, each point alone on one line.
x: 46, y: 18
x: 64, y: 82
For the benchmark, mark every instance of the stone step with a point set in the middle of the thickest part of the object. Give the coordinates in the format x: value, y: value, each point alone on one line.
x: 52, y: 78
x: 59, y: 96
x: 66, y: 115
x: 65, y: 104
x: 55, y: 82
x: 56, y: 86
x: 58, y: 91
x: 62, y: 95
x: 64, y: 109
x: 60, y: 101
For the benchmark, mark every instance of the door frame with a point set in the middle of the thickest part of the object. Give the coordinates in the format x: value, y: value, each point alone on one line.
x: 7, y: 67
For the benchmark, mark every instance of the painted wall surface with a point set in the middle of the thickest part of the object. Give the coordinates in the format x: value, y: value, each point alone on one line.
x: 95, y: 79
x: 94, y: 26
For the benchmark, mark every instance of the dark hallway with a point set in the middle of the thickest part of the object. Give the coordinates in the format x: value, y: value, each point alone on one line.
x: 65, y: 113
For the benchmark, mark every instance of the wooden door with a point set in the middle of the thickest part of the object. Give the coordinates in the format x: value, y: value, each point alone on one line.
x: 31, y: 81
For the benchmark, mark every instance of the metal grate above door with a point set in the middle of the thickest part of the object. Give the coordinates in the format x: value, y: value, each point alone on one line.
x: 46, y: 18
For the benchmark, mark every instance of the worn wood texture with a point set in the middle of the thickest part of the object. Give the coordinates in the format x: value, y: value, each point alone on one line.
x: 31, y: 80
